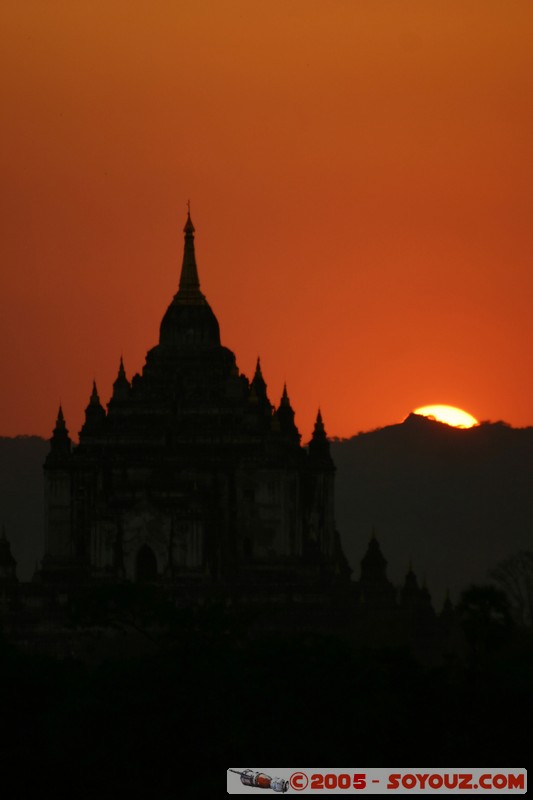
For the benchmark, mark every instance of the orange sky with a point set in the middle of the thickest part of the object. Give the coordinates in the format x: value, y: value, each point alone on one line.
x: 360, y: 177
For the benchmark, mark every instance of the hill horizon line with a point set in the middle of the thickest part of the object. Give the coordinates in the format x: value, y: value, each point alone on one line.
x: 410, y: 419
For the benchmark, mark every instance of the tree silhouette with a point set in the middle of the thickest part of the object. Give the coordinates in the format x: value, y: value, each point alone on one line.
x: 515, y: 576
x: 485, y: 616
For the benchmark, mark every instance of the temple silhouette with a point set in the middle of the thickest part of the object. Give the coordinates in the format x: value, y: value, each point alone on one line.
x: 192, y: 483
x: 190, y: 476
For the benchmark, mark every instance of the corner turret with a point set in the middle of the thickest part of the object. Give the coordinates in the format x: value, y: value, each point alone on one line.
x: 258, y: 390
x: 60, y: 443
x: 319, y: 450
x: 94, y: 415
x: 285, y: 416
x: 121, y: 386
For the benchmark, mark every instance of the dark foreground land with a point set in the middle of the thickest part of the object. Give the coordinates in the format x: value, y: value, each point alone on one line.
x: 168, y: 723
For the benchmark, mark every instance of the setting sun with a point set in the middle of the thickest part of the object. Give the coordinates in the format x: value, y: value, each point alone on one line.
x: 449, y: 415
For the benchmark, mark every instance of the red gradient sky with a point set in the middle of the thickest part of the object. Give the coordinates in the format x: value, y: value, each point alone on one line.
x: 360, y: 175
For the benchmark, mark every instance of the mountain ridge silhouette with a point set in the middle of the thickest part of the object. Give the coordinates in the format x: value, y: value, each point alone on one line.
x: 453, y: 502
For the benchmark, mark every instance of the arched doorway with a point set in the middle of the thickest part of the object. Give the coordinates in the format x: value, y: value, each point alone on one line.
x: 145, y: 565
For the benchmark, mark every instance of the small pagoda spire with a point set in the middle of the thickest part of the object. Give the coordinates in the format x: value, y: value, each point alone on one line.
x: 60, y: 421
x: 258, y: 390
x: 374, y: 583
x: 373, y: 563
x: 121, y: 386
x: 319, y: 431
x: 258, y: 375
x: 60, y: 442
x: 285, y: 415
x: 319, y: 444
x: 258, y: 382
x: 94, y: 414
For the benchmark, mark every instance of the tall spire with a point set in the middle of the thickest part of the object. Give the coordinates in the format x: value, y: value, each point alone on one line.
x: 189, y: 323
x: 189, y: 290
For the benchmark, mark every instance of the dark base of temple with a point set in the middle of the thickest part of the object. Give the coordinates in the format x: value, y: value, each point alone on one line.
x: 93, y: 622
x: 165, y: 718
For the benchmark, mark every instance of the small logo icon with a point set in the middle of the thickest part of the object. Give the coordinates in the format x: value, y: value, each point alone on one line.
x: 261, y: 781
